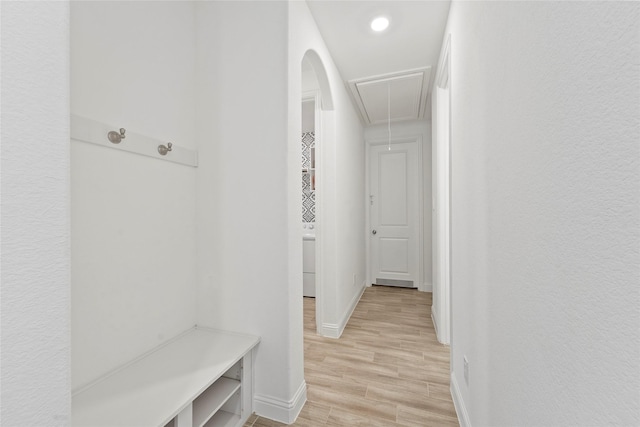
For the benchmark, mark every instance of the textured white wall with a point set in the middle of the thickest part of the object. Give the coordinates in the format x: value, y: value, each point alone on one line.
x: 132, y: 217
x: 34, y: 346
x: 242, y: 187
x: 546, y: 208
x: 423, y: 130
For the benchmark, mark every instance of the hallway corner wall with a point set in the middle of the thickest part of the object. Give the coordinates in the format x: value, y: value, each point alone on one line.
x: 243, y: 191
x: 343, y: 154
x: 545, y: 207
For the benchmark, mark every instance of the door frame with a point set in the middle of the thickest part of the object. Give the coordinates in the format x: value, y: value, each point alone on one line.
x: 442, y: 173
x: 418, y: 141
x: 315, y: 96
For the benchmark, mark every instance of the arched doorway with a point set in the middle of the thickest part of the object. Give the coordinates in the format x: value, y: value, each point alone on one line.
x: 315, y: 89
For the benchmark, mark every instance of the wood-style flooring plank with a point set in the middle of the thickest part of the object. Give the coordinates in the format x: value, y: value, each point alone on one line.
x: 412, y: 417
x: 387, y: 370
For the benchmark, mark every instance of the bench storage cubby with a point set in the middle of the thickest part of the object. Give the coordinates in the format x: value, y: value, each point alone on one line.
x: 202, y: 378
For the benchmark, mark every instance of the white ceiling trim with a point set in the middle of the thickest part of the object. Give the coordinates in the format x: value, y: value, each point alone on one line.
x: 408, y: 90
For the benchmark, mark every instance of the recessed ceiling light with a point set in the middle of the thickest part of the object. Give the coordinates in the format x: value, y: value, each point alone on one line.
x: 379, y: 24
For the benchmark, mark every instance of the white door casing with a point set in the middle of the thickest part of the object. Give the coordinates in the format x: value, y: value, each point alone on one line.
x: 442, y: 250
x: 319, y: 266
x: 442, y: 305
x: 394, y: 214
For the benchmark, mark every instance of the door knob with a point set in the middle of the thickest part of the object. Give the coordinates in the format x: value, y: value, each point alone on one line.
x: 374, y: 232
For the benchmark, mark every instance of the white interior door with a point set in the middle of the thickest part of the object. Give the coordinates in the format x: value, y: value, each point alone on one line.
x: 394, y: 214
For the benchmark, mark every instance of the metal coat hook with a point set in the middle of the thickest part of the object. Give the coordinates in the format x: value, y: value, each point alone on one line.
x: 163, y: 150
x: 116, y: 137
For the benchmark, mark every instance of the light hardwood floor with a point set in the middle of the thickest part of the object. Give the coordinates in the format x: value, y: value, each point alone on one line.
x: 387, y: 369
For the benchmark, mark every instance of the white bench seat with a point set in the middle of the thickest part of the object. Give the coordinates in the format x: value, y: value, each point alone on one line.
x: 153, y: 390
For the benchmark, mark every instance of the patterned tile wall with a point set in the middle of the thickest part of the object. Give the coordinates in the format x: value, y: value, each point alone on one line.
x: 308, y: 195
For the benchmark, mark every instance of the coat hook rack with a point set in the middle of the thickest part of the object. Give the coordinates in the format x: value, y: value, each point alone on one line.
x: 116, y: 137
x: 163, y: 150
x: 94, y: 132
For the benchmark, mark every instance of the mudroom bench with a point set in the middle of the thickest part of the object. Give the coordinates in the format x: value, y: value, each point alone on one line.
x: 201, y: 378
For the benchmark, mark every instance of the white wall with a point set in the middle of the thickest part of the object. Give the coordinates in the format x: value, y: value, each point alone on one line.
x: 35, y: 386
x: 423, y: 130
x: 341, y: 205
x: 132, y: 217
x: 309, y: 81
x: 308, y: 116
x: 545, y: 208
x: 243, y: 193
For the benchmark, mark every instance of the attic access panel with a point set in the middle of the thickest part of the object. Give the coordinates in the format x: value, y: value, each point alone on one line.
x: 408, y: 90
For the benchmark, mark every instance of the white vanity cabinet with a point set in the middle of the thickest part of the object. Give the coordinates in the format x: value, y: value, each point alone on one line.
x: 308, y: 266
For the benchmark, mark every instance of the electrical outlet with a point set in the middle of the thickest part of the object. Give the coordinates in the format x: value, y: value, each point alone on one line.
x: 466, y: 370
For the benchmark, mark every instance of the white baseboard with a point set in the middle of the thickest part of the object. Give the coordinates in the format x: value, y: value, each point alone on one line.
x: 439, y: 333
x: 427, y: 287
x: 458, y: 403
x: 281, y: 410
x: 332, y: 330
x: 433, y: 319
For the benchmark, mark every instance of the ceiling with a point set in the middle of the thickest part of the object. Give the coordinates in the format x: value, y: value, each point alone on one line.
x: 396, y: 66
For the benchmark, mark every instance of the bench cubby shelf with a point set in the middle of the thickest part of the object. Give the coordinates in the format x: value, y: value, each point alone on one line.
x: 202, y: 378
